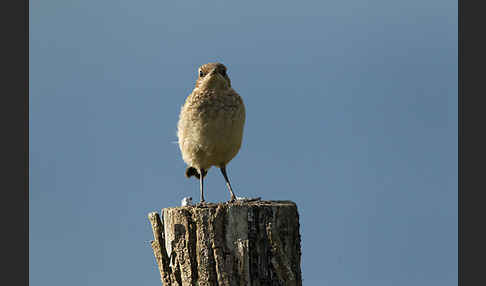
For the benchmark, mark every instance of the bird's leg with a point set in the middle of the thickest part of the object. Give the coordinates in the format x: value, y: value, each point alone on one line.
x: 223, y: 171
x: 201, y: 184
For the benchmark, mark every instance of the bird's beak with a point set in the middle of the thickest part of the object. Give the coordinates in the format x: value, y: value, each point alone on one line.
x: 213, y: 73
x: 215, y: 80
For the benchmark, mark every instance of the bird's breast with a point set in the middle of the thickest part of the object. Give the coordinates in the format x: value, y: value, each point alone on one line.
x: 210, y: 128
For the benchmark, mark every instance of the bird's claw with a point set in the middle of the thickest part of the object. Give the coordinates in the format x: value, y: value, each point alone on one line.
x: 243, y: 199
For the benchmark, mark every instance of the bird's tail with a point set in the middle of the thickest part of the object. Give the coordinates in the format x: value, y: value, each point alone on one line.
x: 191, y: 171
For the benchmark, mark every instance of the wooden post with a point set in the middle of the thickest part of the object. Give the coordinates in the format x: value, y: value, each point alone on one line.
x: 242, y: 243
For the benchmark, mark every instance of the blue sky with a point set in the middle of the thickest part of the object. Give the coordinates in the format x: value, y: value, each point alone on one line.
x: 351, y: 113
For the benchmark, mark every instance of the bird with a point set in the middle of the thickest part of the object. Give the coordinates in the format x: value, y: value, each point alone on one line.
x: 210, y: 126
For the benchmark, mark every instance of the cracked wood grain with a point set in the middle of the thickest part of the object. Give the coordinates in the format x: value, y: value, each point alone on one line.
x: 243, y: 243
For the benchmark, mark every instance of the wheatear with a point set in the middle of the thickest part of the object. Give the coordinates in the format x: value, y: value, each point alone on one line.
x: 210, y: 128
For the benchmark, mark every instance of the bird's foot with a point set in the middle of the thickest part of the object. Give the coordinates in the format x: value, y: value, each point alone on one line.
x: 244, y: 199
x: 233, y: 199
x: 201, y: 204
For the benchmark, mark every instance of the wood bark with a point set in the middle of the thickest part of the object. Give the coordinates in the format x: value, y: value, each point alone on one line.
x: 242, y: 243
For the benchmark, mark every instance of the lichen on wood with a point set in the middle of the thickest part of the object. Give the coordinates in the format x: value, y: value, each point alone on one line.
x: 241, y: 243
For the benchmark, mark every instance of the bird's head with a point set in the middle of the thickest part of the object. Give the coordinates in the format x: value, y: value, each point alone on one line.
x: 213, y: 76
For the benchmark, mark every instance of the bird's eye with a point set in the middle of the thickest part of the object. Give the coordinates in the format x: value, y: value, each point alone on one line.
x: 201, y: 73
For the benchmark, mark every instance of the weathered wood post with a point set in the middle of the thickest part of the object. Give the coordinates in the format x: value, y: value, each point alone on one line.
x: 242, y: 243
